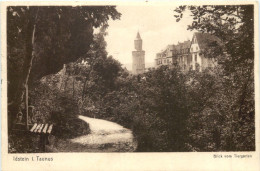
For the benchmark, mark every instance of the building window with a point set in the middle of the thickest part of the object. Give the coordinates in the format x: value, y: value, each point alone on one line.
x: 197, y: 48
x: 195, y: 57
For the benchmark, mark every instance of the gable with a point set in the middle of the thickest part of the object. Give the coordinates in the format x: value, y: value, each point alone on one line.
x: 205, y: 40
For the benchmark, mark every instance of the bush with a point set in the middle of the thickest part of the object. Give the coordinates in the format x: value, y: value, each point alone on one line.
x: 174, y: 111
x: 67, y: 123
x: 55, y: 106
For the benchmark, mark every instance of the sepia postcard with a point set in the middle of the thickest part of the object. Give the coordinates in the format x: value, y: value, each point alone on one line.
x: 130, y: 85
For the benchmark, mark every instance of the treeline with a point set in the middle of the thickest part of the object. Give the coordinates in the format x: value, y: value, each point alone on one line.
x: 174, y: 111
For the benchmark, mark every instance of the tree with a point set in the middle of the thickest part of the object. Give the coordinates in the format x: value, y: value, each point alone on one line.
x: 104, y: 70
x: 42, y: 39
x: 30, y: 17
x: 234, y: 25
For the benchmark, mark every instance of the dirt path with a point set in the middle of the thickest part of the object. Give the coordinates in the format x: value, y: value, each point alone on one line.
x: 105, y: 136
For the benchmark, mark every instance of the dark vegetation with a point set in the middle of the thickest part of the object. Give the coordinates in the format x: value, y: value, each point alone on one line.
x: 176, y: 111
x: 40, y: 40
x: 167, y: 109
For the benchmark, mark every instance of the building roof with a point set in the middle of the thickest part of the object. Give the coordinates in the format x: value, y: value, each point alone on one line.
x: 169, y: 47
x: 183, y: 45
x: 205, y: 40
x: 138, y: 37
x: 178, y: 47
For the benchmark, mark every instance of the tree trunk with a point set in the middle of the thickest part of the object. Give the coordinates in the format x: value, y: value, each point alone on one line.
x: 244, y: 92
x: 27, y: 65
x: 73, y: 89
x: 83, y: 90
x: 26, y: 107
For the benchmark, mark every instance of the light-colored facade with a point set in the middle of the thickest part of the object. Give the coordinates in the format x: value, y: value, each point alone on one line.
x: 138, y: 65
x: 200, y: 43
x: 189, y: 55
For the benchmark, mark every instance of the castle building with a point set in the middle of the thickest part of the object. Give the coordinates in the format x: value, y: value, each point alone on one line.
x: 138, y: 65
x: 189, y: 55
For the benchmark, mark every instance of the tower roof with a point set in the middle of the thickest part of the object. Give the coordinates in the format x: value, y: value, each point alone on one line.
x: 138, y: 37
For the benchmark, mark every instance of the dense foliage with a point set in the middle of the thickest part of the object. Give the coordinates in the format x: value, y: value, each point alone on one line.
x: 234, y: 25
x: 58, y: 107
x: 40, y: 40
x: 184, y: 112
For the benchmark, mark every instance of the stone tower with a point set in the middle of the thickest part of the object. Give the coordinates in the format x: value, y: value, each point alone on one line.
x: 138, y: 65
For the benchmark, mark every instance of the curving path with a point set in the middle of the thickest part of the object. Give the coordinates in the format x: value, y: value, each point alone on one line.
x: 105, y: 136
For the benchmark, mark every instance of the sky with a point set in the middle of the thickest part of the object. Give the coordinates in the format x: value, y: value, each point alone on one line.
x: 156, y: 25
